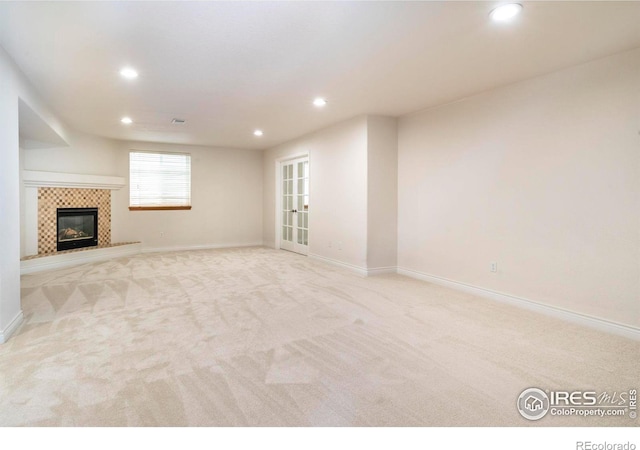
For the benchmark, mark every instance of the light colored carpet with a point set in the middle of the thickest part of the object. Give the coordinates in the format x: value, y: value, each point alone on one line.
x: 256, y: 336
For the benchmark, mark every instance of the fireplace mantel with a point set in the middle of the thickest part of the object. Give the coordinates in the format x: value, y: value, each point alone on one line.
x: 33, y: 178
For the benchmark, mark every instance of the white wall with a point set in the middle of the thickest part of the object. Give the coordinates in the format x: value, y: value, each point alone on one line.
x: 9, y: 197
x: 22, y: 203
x: 226, y: 196
x: 382, y: 192
x: 14, y: 87
x: 85, y: 154
x: 542, y: 177
x: 338, y: 190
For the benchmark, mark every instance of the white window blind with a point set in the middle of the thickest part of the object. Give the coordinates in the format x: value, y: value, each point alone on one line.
x: 161, y: 180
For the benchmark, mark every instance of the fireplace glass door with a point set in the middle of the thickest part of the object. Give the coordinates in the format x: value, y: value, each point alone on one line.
x: 77, y: 227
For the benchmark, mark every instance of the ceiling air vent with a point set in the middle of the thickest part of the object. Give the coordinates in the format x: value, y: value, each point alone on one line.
x: 178, y: 121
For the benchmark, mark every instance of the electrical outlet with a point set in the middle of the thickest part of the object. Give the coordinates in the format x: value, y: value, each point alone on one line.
x: 494, y: 267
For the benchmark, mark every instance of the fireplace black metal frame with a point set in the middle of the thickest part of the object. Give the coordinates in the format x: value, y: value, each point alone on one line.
x: 91, y: 241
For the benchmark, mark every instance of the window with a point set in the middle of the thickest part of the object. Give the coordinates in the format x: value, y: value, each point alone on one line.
x: 159, y: 181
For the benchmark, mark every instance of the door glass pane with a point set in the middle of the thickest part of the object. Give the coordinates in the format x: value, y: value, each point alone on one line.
x: 284, y: 172
x: 284, y: 218
x: 306, y: 220
x: 290, y: 187
x: 306, y: 203
x: 290, y: 168
x: 300, y: 170
x: 301, y: 186
x: 300, y: 237
x: 305, y: 241
x: 289, y: 218
x: 289, y: 202
x: 300, y: 205
x: 300, y: 220
x: 306, y: 169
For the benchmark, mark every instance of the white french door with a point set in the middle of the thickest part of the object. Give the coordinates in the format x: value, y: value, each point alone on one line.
x: 294, y: 205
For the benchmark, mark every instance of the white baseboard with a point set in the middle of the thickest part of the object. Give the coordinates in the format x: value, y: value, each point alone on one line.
x: 363, y: 271
x: 62, y: 260
x: 11, y: 328
x: 180, y: 248
x: 352, y: 267
x: 559, y: 313
x: 381, y: 270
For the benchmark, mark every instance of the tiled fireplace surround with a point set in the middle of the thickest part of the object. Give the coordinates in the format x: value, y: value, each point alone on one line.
x: 44, y: 192
x: 52, y: 198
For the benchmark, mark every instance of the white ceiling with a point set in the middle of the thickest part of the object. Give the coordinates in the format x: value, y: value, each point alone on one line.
x: 229, y: 68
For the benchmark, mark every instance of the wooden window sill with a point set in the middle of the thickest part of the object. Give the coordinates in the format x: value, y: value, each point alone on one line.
x: 159, y: 208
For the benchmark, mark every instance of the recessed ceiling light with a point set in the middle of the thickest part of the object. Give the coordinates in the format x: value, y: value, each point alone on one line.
x: 258, y: 133
x: 319, y: 102
x: 505, y: 13
x: 129, y: 73
x: 126, y: 120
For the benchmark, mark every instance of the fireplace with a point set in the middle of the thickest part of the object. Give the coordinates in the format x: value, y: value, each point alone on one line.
x: 77, y: 228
